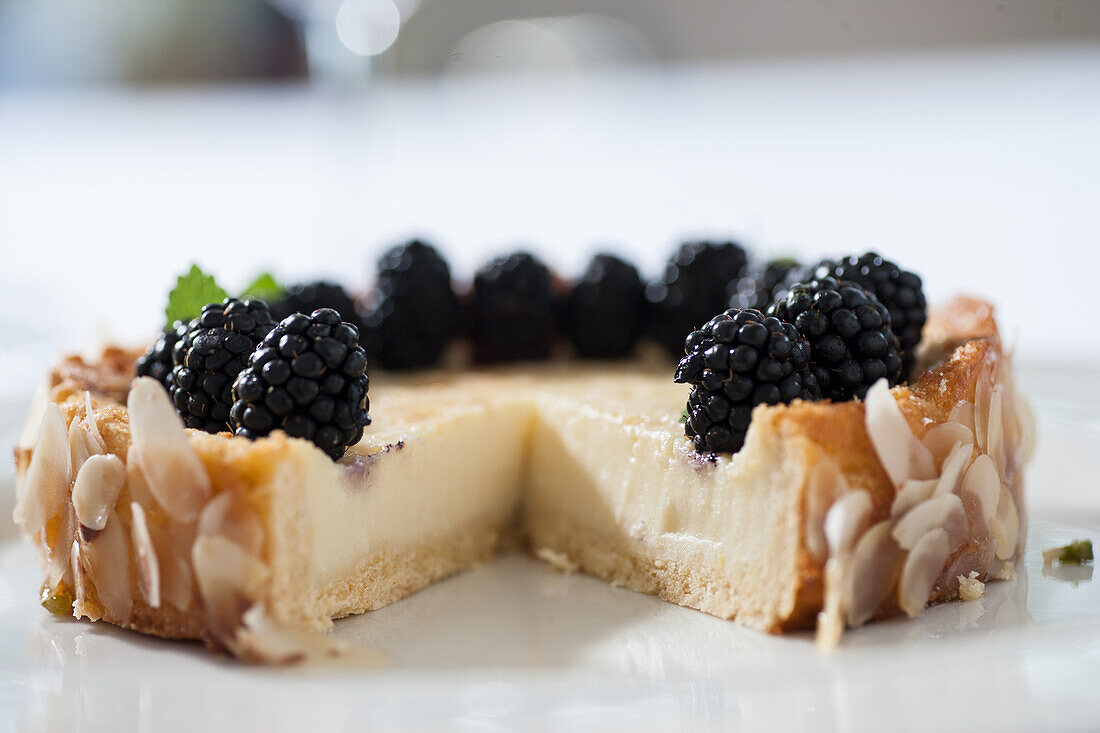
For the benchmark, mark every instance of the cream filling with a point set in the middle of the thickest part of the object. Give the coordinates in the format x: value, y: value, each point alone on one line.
x: 460, y: 469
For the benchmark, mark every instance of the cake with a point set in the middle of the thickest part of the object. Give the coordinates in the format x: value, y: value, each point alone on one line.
x: 832, y: 514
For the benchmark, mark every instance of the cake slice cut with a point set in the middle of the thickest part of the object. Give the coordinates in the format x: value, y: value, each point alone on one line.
x: 831, y: 514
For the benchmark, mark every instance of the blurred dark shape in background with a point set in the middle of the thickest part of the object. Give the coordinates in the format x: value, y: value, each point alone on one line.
x: 142, y: 42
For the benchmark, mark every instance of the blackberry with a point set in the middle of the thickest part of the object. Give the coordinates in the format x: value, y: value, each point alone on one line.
x: 513, y: 309
x: 308, y: 297
x: 605, y: 309
x: 763, y: 282
x: 692, y: 289
x: 157, y: 361
x: 849, y: 332
x: 900, y: 291
x: 307, y: 378
x: 412, y: 313
x: 740, y: 359
x: 209, y: 354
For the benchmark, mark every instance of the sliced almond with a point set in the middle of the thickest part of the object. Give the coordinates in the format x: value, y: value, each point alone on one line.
x: 942, y: 439
x: 91, y: 424
x: 109, y: 569
x: 898, y: 450
x: 845, y: 519
x: 1005, y: 527
x: 230, y: 579
x: 912, y: 494
x: 1026, y: 417
x: 46, y: 486
x: 953, y: 468
x: 941, y: 511
x: 173, y: 471
x: 983, y: 395
x: 78, y: 445
x: 230, y: 515
x: 871, y: 573
x: 995, y: 439
x: 963, y: 414
x: 922, y: 567
x: 95, y: 492
x: 59, y: 548
x: 982, y: 482
x: 148, y: 569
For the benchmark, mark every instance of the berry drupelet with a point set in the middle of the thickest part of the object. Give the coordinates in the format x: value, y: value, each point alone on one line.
x: 605, y: 309
x: 763, y: 282
x: 512, y: 310
x: 693, y: 287
x: 412, y: 312
x: 738, y: 360
x: 900, y: 291
x: 209, y: 354
x: 157, y: 361
x: 849, y: 332
x: 308, y: 297
x: 307, y: 378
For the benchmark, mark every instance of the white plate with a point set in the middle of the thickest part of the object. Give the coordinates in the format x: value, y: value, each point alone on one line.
x: 518, y: 646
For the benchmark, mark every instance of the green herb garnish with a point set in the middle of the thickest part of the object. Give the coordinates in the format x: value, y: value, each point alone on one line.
x: 1075, y: 553
x: 264, y: 287
x: 192, y: 292
x: 683, y: 416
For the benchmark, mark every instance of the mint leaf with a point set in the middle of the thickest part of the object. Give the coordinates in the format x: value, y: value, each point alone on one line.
x: 264, y: 287
x: 192, y: 292
x: 1075, y: 553
x: 683, y: 416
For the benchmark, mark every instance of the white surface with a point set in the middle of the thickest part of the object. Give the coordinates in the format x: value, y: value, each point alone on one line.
x: 977, y: 170
x: 516, y: 646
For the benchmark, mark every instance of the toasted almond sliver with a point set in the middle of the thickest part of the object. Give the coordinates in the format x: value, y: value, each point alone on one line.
x: 912, y: 494
x: 109, y: 569
x: 922, y: 567
x: 898, y: 450
x: 982, y: 482
x: 1005, y: 527
x: 95, y: 491
x: 46, y: 485
x: 845, y: 519
x: 953, y: 468
x: 173, y: 471
x: 943, y: 438
x: 875, y: 564
x: 941, y: 511
x: 148, y: 569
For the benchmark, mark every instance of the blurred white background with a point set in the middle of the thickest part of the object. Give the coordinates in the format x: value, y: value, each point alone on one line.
x: 959, y: 139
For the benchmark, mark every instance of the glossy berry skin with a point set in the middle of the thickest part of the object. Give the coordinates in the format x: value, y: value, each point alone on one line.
x: 157, y: 361
x: 310, y: 296
x: 307, y: 378
x: 412, y: 314
x: 512, y: 312
x: 736, y: 361
x: 763, y: 283
x: 209, y: 355
x: 605, y: 310
x: 900, y: 291
x: 849, y: 332
x: 693, y: 288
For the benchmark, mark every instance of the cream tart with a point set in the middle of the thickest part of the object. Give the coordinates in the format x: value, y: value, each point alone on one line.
x: 832, y: 514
